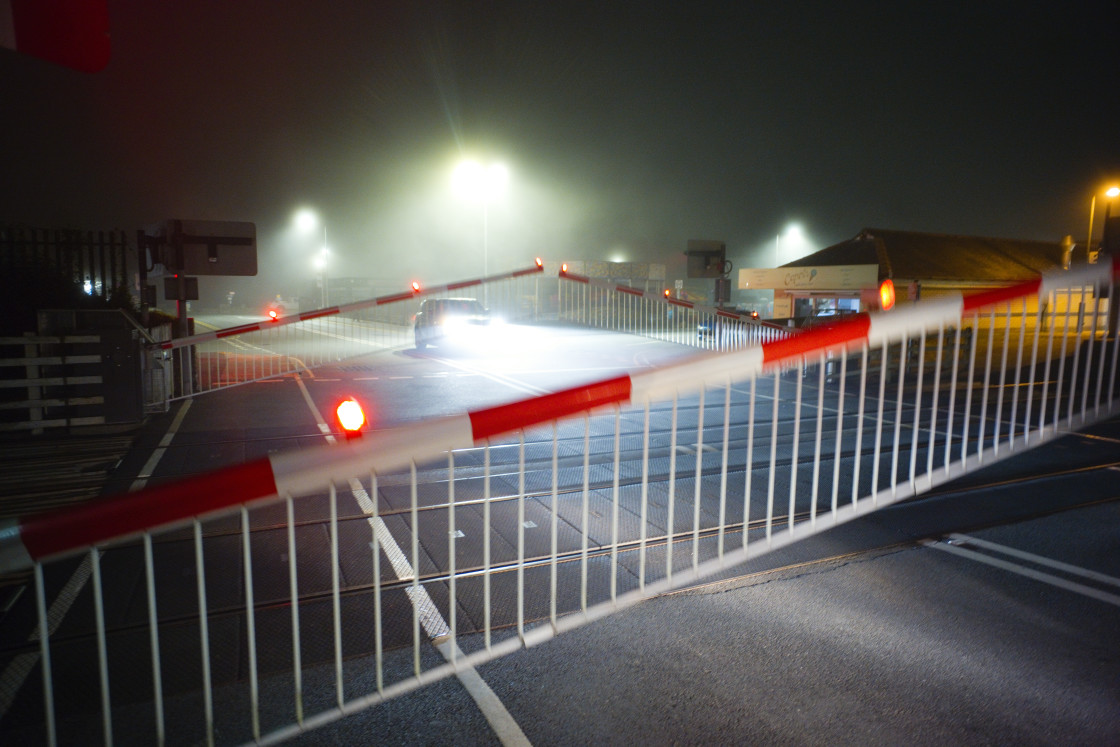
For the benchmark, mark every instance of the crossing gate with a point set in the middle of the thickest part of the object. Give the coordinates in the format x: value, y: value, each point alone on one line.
x: 327, y: 580
x: 301, y: 342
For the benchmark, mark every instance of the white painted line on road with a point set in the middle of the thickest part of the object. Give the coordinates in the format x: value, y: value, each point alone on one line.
x: 1073, y: 570
x: 492, y: 708
x: 15, y: 674
x: 13, y: 677
x: 150, y: 466
x: 1046, y: 578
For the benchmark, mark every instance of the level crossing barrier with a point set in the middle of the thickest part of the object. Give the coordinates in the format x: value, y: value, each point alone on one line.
x: 259, y: 602
x: 300, y: 342
x: 596, y: 303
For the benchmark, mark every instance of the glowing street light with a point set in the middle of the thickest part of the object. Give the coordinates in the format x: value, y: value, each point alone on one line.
x: 473, y: 179
x: 306, y: 221
x: 1111, y: 193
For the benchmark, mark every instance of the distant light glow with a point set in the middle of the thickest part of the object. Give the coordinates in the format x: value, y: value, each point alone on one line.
x: 472, y: 178
x: 350, y: 415
x: 306, y: 220
x: 1112, y: 192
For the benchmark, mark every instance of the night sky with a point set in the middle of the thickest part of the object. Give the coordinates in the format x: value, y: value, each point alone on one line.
x: 627, y: 128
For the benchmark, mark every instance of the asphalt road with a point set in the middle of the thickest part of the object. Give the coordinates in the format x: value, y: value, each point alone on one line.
x: 862, y: 634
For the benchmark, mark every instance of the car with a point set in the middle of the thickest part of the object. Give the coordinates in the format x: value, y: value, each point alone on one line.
x: 442, y: 321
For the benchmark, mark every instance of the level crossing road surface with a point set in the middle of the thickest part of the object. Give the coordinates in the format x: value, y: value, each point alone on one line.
x: 861, y: 634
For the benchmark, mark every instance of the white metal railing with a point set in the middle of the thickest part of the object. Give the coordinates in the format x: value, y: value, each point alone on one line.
x: 622, y: 308
x: 292, y: 344
x: 261, y: 601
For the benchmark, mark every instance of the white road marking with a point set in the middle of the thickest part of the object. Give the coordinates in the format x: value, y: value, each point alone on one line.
x: 492, y: 708
x: 14, y: 675
x: 1047, y: 578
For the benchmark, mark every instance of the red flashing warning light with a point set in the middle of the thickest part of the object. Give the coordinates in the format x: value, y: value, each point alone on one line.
x: 351, y: 417
x: 668, y: 293
x: 540, y: 262
x: 564, y: 267
x: 273, y: 314
x: 415, y: 286
x: 886, y: 295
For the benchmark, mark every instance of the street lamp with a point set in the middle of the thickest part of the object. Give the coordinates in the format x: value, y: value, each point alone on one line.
x: 1111, y: 193
x: 473, y: 179
x: 306, y: 221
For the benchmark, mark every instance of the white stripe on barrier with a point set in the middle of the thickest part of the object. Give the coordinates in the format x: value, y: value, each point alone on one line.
x: 891, y: 326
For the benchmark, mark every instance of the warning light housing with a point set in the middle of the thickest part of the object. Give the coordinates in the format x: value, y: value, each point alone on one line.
x: 415, y: 286
x: 273, y: 314
x: 668, y: 293
x: 540, y: 262
x: 886, y: 295
x: 351, y: 417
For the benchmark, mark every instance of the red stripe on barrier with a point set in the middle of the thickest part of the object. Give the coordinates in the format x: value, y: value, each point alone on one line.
x: 320, y: 312
x: 128, y: 513
x: 678, y: 302
x: 578, y: 278
x: 1000, y: 295
x: 530, y: 271
x: 728, y: 314
x: 505, y: 418
x: 816, y: 340
x: 393, y: 299
x: 628, y: 289
x: 236, y: 330
x: 464, y: 284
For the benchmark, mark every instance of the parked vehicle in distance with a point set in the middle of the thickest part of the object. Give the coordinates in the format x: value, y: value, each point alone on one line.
x: 443, y: 321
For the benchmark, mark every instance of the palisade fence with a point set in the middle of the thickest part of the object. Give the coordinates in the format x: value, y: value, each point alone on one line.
x: 262, y: 601
x: 99, y: 262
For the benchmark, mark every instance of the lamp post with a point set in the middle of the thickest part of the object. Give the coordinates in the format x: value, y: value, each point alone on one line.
x: 308, y: 220
x: 484, y: 182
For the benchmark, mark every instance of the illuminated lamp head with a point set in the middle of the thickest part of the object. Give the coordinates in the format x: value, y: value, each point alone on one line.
x: 415, y: 286
x: 350, y: 417
x: 886, y: 295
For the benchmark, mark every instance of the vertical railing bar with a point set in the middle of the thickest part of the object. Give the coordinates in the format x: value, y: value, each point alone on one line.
x: 153, y: 640
x: 615, y: 500
x: 864, y: 364
x: 987, y: 385
x: 521, y: 535
x: 414, y: 528
x: 1104, y: 353
x: 672, y: 489
x: 1029, y: 405
x: 698, y: 473
x: 375, y: 552
x: 1089, y: 353
x: 452, y: 576
x: 1012, y: 420
x: 486, y: 531
x: 973, y: 342
x: 773, y: 459
x: 723, y: 468
x: 102, y: 648
x: 903, y: 360
x: 748, y: 464
x: 555, y: 528
x: 585, y: 518
x: 250, y: 621
x: 950, y: 420
x: 821, y: 365
x: 1074, y: 367
x: 644, y: 531
x: 204, y: 632
x: 917, y: 407
x: 45, y: 656
x: 793, y: 467
x: 934, y: 416
x: 884, y: 364
x: 1002, y: 379
x: 293, y: 584
x: 843, y: 354
x: 336, y: 605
